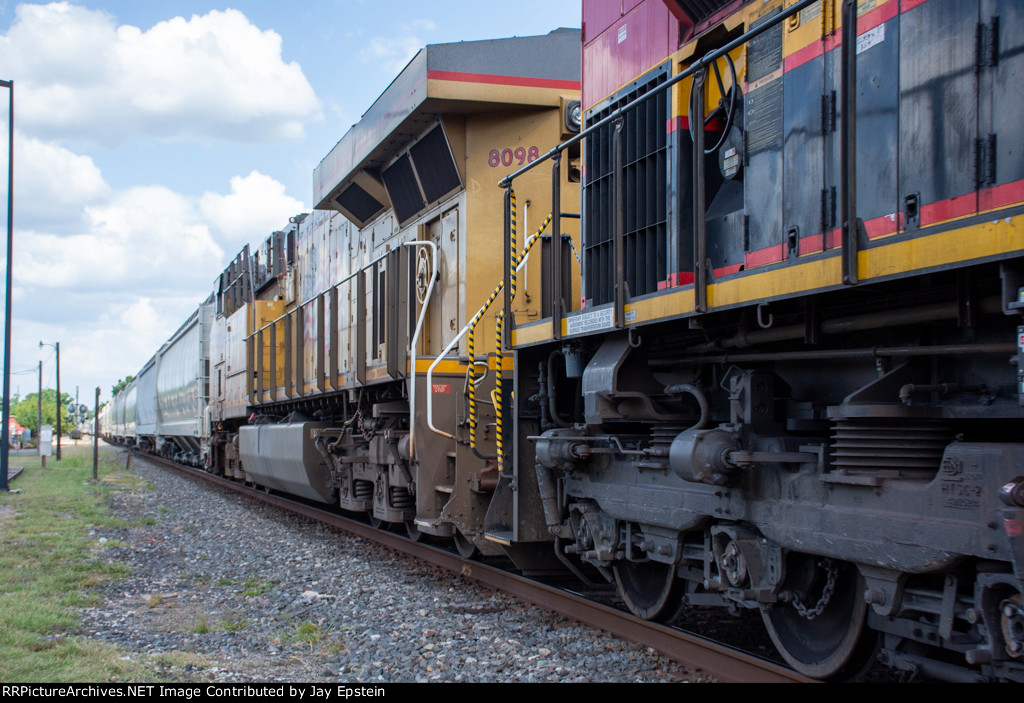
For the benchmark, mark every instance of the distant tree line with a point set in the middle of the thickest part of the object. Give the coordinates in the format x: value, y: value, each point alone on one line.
x: 25, y: 409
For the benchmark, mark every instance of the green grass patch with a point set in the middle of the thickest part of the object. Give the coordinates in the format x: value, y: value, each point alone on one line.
x: 255, y: 587
x: 306, y: 633
x: 312, y: 635
x: 234, y: 624
x: 202, y: 625
x: 231, y: 623
x: 51, y: 556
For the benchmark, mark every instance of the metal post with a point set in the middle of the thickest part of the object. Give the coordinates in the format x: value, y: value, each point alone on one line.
x: 700, y: 271
x: 507, y: 247
x: 5, y: 435
x: 58, y: 401
x: 620, y: 224
x: 96, y: 435
x: 848, y: 144
x: 39, y: 406
x: 557, y: 287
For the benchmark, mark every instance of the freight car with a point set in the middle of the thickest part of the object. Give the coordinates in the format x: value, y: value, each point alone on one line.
x: 762, y: 348
x: 163, y: 409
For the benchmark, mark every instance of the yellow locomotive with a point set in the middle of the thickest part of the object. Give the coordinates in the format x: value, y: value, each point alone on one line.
x: 356, y: 333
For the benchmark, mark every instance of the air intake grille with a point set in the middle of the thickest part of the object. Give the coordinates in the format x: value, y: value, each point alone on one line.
x: 643, y: 196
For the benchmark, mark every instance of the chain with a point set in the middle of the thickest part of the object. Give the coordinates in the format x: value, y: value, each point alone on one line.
x: 575, y: 253
x: 826, y: 594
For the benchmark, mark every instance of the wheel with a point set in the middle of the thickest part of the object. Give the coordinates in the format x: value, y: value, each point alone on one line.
x: 375, y: 522
x: 823, y: 634
x: 650, y: 589
x: 465, y: 546
x: 413, y: 532
x: 726, y: 108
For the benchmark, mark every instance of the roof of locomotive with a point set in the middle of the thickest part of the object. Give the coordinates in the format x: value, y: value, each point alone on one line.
x: 447, y: 78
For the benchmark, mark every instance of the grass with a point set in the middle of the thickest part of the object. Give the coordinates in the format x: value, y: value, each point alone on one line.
x: 311, y: 634
x: 50, y: 556
x: 202, y: 625
x: 232, y: 623
x: 255, y: 587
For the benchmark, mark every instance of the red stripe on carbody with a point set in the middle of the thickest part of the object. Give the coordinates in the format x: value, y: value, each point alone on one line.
x: 673, y: 280
x: 948, y: 209
x: 866, y: 22
x: 883, y: 13
x: 726, y: 270
x: 911, y: 4
x: 503, y: 80
x: 802, y: 56
x: 813, y: 244
x: 880, y: 226
x: 677, y: 123
x: 769, y: 255
x: 1001, y: 196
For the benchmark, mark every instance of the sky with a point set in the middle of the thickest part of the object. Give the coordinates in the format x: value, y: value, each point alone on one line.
x: 154, y: 139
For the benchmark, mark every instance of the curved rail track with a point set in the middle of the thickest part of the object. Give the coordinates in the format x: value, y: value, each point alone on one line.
x: 724, y: 663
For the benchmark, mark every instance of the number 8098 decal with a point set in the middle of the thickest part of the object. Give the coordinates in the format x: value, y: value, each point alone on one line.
x: 507, y: 157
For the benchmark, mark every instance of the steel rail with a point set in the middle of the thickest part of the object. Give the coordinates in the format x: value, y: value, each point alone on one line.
x: 694, y: 652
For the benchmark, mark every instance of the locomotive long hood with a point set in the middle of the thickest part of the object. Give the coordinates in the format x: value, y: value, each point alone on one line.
x: 475, y: 76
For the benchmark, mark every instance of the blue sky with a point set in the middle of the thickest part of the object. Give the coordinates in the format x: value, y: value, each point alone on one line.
x: 154, y: 139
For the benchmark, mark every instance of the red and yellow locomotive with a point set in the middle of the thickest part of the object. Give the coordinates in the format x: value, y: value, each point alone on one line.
x: 793, y: 381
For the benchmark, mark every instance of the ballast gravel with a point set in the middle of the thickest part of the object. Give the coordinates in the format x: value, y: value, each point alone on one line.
x: 242, y: 592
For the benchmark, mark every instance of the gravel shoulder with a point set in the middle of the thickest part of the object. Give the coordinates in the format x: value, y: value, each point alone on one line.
x: 247, y: 593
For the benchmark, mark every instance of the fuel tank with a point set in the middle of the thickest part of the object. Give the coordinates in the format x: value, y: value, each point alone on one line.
x: 283, y: 457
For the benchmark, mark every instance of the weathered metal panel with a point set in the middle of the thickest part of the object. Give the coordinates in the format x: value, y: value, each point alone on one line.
x: 628, y: 46
x: 1004, y: 22
x: 938, y: 108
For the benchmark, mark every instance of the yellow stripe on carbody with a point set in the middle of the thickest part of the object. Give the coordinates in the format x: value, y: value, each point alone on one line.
x: 996, y: 237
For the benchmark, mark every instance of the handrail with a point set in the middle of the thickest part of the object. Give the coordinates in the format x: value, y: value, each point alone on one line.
x: 470, y: 347
x: 499, y: 323
x: 415, y: 339
x: 303, y: 304
x: 521, y: 261
x: 698, y: 65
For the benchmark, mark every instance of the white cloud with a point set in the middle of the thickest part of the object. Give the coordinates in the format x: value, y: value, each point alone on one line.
x: 53, y: 184
x: 256, y: 206
x: 211, y: 76
x: 115, y: 342
x: 142, y: 241
x: 136, y: 265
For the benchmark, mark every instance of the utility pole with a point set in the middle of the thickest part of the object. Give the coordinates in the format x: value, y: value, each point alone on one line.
x: 39, y: 406
x: 5, y: 444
